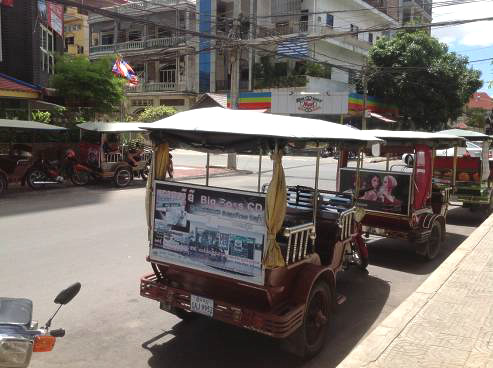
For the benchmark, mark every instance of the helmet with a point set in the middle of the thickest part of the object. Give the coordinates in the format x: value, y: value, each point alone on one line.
x: 70, y: 153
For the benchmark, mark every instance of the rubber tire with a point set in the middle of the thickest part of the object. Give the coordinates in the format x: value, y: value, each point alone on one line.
x: 80, y: 179
x: 118, y: 172
x: 185, y: 315
x: 144, y: 174
x: 434, y: 243
x: 409, y: 161
x: 29, y: 179
x: 305, y: 348
x: 3, y: 184
x: 363, y: 264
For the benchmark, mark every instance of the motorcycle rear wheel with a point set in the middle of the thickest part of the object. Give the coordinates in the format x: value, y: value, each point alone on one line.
x: 80, y: 178
x: 34, y: 175
x: 3, y: 184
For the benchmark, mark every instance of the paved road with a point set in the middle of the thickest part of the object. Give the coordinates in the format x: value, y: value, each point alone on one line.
x: 97, y: 235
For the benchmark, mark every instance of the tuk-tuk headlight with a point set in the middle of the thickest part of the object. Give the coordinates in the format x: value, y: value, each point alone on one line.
x: 15, y: 352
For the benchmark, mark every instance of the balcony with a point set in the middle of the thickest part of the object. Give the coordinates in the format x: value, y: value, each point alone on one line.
x: 136, y: 6
x: 155, y: 43
x: 151, y: 87
x: 424, y: 5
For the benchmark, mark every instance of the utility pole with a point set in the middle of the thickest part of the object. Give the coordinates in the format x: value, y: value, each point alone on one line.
x: 365, y: 97
x: 235, y: 76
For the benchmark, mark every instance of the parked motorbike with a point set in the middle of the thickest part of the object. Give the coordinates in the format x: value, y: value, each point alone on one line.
x: 45, y: 172
x: 20, y: 335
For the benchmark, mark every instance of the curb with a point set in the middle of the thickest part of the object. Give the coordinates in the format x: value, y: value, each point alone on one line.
x: 369, y: 350
x: 218, y: 175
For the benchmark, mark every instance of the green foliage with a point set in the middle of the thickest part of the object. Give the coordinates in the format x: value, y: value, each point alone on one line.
x: 415, y: 72
x: 269, y: 75
x: 154, y: 113
x: 476, y: 117
x: 86, y: 84
x: 318, y: 70
x: 41, y: 116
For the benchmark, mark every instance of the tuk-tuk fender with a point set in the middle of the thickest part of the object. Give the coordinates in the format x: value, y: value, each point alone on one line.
x: 429, y: 220
x: 307, y: 277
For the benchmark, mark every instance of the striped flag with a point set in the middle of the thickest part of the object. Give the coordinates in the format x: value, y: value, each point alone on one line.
x: 122, y: 69
x: 295, y: 47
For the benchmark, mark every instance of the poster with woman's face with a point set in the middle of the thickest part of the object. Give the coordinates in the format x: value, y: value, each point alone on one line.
x: 379, y: 190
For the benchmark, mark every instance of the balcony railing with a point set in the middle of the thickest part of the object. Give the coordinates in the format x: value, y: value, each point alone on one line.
x: 154, y: 43
x: 142, y: 5
x: 151, y: 87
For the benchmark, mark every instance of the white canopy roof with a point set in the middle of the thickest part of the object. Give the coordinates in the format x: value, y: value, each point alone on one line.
x: 251, y: 123
x: 113, y: 127
x: 27, y: 124
x: 413, y: 137
x: 468, y: 134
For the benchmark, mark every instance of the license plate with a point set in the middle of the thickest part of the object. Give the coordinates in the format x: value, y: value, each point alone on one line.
x: 202, y: 305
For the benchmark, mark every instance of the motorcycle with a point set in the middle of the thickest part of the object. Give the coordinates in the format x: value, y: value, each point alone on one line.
x: 45, y: 172
x: 20, y: 335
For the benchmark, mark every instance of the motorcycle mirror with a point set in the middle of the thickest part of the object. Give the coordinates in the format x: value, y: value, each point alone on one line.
x: 66, y: 295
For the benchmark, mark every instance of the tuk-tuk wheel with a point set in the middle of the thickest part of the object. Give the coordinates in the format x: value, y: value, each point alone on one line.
x: 310, y: 338
x: 433, y: 247
x: 34, y: 175
x: 123, y: 177
x: 3, y: 184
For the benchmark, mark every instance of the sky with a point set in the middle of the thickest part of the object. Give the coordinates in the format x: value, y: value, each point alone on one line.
x: 474, y: 40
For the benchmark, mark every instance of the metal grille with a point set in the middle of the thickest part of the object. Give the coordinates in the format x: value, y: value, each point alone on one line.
x: 299, y: 238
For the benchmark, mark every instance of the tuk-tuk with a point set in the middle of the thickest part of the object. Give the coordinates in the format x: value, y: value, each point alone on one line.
x: 401, y: 202
x: 102, y: 149
x: 264, y: 261
x: 17, y: 156
x: 469, y: 175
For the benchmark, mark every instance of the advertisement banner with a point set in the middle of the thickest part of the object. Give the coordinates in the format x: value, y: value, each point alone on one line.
x: 51, y: 15
x: 218, y: 231
x: 386, y: 191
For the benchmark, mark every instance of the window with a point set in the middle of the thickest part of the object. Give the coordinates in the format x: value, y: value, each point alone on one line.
x: 134, y: 36
x: 329, y: 20
x: 172, y: 102
x: 107, y: 39
x: 47, y: 47
x: 140, y: 102
x: 167, y: 74
x: 69, y: 40
x: 354, y: 29
x: 370, y: 38
x: 80, y: 49
x: 163, y: 32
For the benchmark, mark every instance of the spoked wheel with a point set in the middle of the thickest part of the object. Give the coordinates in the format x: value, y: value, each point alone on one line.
x: 144, y: 174
x: 80, y: 178
x: 3, y: 184
x: 433, y: 247
x: 358, y: 256
x: 309, y: 339
x: 33, y: 176
x: 123, y: 177
x: 409, y: 161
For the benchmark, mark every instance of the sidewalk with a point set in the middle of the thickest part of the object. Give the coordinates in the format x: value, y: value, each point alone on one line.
x: 447, y: 322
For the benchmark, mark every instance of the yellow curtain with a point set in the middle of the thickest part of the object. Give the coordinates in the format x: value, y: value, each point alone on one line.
x: 275, y: 212
x: 162, y: 161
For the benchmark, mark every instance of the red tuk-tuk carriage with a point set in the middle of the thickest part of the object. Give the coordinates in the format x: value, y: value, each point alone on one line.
x: 261, y: 261
x: 19, y: 154
x: 401, y: 202
x: 102, y: 149
x: 470, y: 175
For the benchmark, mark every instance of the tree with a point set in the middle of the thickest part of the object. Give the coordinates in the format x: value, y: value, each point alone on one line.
x: 41, y: 116
x: 151, y: 114
x: 88, y: 85
x: 415, y: 72
x: 476, y: 117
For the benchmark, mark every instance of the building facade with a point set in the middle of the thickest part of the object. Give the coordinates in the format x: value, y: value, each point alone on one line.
x: 416, y: 11
x: 163, y: 58
x: 76, y: 32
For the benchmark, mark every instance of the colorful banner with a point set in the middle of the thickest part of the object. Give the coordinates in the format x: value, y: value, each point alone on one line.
x: 51, y: 15
x: 218, y: 231
x: 253, y: 100
x: 386, y: 191
x: 373, y: 104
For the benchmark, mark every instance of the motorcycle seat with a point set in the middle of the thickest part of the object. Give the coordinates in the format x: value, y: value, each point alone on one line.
x: 16, y: 311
